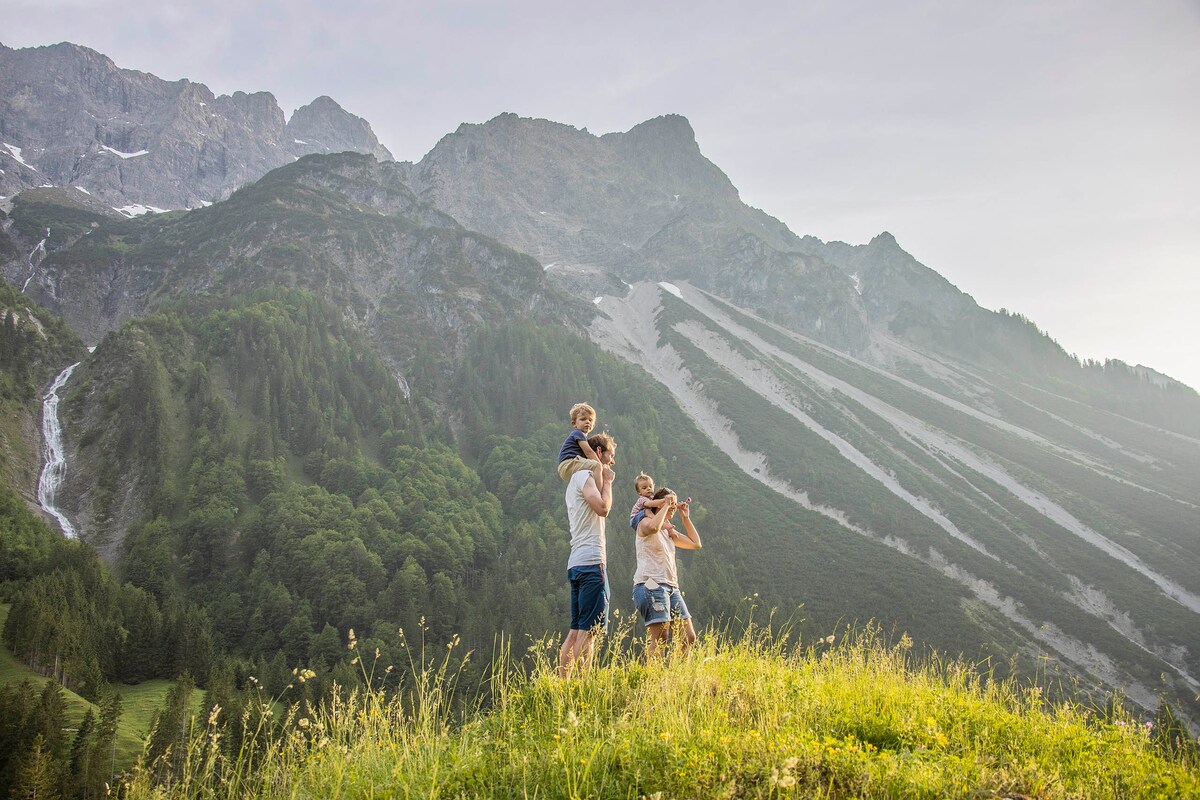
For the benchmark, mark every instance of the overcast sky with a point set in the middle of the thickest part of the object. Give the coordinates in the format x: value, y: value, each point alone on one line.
x: 1043, y: 156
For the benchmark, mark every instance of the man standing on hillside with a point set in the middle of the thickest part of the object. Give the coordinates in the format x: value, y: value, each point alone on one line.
x: 589, y: 499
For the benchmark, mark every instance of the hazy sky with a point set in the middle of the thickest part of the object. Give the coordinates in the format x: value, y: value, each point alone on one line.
x: 1043, y: 156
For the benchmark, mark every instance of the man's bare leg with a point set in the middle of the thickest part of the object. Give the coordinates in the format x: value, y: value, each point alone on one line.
x: 576, y: 653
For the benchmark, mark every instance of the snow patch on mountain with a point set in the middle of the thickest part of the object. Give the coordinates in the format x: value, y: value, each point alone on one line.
x: 16, y: 154
x: 137, y: 210
x: 124, y: 155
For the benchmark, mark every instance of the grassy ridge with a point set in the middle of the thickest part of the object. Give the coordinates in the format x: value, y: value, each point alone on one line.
x: 859, y: 718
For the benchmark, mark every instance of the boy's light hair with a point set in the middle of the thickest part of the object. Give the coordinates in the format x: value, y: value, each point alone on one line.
x: 579, y: 409
x: 637, y: 482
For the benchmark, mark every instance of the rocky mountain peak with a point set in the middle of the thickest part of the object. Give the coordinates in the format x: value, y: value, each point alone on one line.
x: 668, y: 130
x: 323, y: 126
x: 69, y: 116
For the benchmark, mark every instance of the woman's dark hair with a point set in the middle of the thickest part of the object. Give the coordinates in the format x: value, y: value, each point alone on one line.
x: 661, y: 493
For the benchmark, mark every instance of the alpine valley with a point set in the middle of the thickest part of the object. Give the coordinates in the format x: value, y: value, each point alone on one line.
x: 326, y: 390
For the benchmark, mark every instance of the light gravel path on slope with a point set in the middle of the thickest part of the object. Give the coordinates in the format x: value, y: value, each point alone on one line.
x: 764, y: 383
x: 937, y: 440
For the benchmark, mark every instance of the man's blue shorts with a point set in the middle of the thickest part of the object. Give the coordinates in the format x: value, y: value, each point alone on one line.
x: 662, y: 604
x: 589, y: 597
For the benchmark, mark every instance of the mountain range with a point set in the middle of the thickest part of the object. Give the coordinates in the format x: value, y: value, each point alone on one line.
x: 862, y: 439
x: 70, y: 117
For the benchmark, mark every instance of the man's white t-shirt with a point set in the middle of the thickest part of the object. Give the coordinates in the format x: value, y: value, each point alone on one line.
x: 587, y: 527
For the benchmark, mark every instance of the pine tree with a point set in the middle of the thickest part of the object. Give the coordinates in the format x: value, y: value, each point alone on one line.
x: 172, y: 727
x: 37, y: 777
x: 102, y: 765
x: 82, y: 751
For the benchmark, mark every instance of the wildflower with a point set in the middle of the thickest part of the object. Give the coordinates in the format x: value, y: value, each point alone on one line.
x: 353, y: 641
x: 212, y: 716
x: 354, y: 660
x: 302, y: 722
x: 665, y: 735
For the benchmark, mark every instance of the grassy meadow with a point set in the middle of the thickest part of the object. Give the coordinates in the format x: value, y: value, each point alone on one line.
x: 855, y: 717
x: 139, y: 703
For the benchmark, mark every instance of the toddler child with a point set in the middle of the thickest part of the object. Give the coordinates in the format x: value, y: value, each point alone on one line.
x: 644, y: 485
x: 576, y: 453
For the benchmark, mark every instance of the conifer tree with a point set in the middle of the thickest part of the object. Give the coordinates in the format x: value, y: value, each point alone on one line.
x: 102, y: 767
x: 172, y: 727
x: 37, y: 777
x: 82, y: 751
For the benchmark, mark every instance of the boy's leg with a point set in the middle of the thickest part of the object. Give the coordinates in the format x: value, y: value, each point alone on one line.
x: 572, y: 465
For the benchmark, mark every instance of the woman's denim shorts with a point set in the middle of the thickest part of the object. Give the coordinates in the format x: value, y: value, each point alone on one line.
x: 662, y: 604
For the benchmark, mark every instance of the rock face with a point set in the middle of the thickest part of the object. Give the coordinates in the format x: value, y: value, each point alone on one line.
x: 323, y: 126
x: 70, y: 117
x: 641, y: 204
x: 344, y: 226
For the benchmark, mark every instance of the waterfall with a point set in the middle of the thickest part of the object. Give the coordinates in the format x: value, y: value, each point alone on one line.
x: 29, y: 259
x: 56, y: 463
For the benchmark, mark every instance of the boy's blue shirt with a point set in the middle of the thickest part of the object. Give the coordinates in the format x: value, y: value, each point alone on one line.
x: 571, y: 448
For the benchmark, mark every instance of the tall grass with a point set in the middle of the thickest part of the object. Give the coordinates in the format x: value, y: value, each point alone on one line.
x: 747, y: 717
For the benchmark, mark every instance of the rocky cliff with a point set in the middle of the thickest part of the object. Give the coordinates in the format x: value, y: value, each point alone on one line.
x: 69, y: 116
x: 641, y: 204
